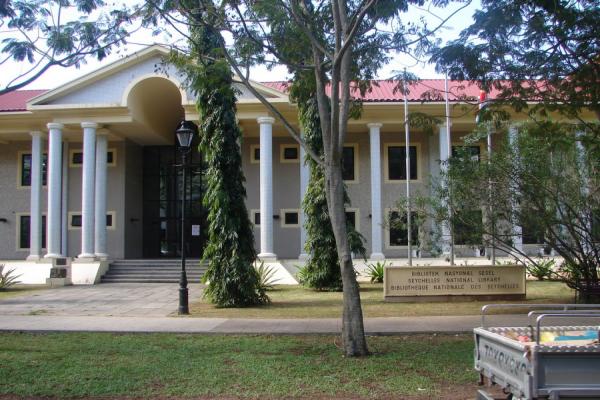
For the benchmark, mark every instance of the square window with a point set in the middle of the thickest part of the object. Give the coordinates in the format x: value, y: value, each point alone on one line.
x: 531, y: 231
x: 76, y: 220
x: 348, y: 163
x: 396, y: 167
x: 290, y: 218
x: 109, y: 220
x: 77, y: 158
x: 289, y: 153
x: 398, y: 230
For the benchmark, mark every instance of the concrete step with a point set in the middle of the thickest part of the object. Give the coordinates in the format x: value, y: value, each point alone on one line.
x: 152, y: 271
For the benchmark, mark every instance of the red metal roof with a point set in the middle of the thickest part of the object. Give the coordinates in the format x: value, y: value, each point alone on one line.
x: 426, y: 90
x: 422, y: 91
x: 16, y: 101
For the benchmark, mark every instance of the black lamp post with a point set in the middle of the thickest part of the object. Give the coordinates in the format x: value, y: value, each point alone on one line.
x: 185, y: 135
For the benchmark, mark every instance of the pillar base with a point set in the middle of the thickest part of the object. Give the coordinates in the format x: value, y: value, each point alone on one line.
x: 53, y: 255
x: 101, y: 256
x: 86, y: 257
x: 33, y: 258
x: 267, y: 257
x: 377, y: 257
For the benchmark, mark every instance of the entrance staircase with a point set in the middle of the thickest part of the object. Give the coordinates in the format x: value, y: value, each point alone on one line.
x: 153, y: 271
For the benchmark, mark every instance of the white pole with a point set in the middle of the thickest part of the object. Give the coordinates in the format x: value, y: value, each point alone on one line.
x: 407, y: 157
x: 449, y: 153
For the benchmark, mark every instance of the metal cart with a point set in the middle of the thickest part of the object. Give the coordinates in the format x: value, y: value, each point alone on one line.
x: 558, y: 361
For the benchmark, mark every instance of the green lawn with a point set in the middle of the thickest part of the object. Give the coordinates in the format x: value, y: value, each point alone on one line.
x: 297, y: 302
x: 159, y: 365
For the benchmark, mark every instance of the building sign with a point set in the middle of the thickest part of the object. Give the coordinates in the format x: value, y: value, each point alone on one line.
x: 454, y: 281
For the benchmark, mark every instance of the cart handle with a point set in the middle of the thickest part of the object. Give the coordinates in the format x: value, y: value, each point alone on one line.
x: 564, y: 307
x: 540, y: 312
x: 565, y: 315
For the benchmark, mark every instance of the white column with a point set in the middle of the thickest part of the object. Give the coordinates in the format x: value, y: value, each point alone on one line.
x: 376, y: 213
x: 64, y: 219
x: 266, y: 187
x: 100, y: 192
x: 87, y: 189
x: 54, y: 189
x: 304, y: 177
x: 446, y: 238
x: 35, y: 212
x: 517, y: 231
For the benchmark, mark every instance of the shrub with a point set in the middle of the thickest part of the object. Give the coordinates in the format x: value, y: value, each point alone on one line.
x: 376, y: 271
x: 266, y: 276
x: 542, y: 269
x: 7, y: 279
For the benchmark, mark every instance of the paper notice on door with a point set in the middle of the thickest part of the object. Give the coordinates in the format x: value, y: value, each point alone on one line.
x: 195, y: 230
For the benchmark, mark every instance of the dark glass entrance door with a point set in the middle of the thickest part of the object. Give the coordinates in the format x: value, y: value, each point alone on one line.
x: 162, y: 204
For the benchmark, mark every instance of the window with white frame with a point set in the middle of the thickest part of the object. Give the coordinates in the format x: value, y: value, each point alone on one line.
x: 255, y: 217
x: 290, y: 218
x: 24, y: 231
x: 398, y: 229
x: 396, y: 162
x: 255, y: 154
x: 25, y: 165
x: 76, y: 158
x: 289, y: 153
x: 350, y: 163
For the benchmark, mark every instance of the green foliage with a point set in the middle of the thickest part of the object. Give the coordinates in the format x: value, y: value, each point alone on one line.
x: 532, y: 49
x: 376, y: 271
x: 232, y: 279
x: 266, y: 276
x: 322, y: 270
x: 7, y: 279
x: 541, y: 269
x: 39, y: 35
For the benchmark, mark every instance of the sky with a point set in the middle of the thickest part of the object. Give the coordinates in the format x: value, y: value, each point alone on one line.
x: 59, y: 76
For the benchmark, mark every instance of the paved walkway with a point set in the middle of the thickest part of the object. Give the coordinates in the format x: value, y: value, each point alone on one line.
x: 108, y: 299
x: 152, y: 307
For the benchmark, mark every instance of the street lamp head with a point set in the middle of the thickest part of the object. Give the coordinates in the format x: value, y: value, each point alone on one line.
x: 185, y: 134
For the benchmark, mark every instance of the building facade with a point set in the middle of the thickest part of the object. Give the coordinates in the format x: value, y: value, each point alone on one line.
x: 87, y: 168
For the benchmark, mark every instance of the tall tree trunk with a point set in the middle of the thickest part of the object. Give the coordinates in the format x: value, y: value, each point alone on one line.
x: 353, y: 332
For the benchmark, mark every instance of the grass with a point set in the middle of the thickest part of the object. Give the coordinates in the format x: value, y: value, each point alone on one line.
x: 297, y: 302
x: 20, y: 290
x: 78, y: 365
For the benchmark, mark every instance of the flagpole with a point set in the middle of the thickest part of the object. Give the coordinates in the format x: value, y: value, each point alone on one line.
x: 449, y: 153
x: 407, y: 159
x: 482, y: 100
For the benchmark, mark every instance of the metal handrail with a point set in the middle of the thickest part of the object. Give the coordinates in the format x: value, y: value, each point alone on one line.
x: 565, y: 315
x: 564, y: 307
x: 540, y: 312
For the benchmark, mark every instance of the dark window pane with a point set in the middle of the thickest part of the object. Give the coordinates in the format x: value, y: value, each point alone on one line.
x: 596, y: 226
x: 109, y: 220
x: 26, y: 170
x: 471, y: 152
x: 43, y: 231
x: 110, y: 156
x: 44, y: 169
x: 25, y: 232
x: 397, y: 163
x: 291, y: 218
x: 348, y: 163
x: 76, y: 220
x: 351, y: 218
x: 398, y: 229
x: 257, y: 218
x: 290, y: 153
x: 257, y: 153
x: 468, y: 227
x: 531, y: 231
x: 77, y: 158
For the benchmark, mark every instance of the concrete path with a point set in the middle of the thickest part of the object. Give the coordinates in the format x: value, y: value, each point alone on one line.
x: 119, y: 307
x: 373, y: 326
x: 108, y: 299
